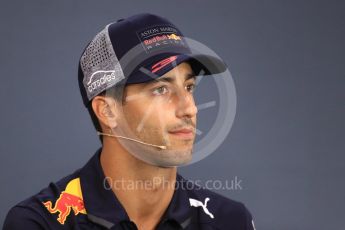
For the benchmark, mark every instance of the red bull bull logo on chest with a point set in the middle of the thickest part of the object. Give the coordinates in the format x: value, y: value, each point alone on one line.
x: 70, y: 199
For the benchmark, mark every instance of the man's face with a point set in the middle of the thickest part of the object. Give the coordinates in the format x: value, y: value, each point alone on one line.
x: 163, y: 112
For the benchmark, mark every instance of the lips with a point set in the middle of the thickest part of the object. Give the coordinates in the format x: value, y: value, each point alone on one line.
x: 183, y: 133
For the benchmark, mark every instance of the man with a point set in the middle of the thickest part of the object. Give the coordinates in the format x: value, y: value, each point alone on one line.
x: 136, y: 78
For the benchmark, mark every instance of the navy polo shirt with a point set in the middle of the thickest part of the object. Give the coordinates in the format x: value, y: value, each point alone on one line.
x: 83, y: 200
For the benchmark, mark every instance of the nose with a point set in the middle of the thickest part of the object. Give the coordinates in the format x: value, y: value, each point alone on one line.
x: 185, y: 105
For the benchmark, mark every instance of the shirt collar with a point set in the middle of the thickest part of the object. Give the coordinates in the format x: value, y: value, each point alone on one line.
x: 103, y: 207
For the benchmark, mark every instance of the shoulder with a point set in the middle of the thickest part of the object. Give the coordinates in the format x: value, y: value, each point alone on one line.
x: 217, y: 210
x: 21, y: 217
x: 32, y: 213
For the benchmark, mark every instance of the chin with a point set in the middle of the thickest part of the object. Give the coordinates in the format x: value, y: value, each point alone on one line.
x: 178, y: 157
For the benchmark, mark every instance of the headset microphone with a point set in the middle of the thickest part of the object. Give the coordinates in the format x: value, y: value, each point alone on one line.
x: 127, y: 138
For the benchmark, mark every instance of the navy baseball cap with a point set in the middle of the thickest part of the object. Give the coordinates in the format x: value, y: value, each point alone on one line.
x: 137, y: 49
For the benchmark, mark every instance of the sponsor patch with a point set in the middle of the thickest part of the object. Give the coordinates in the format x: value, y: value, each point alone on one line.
x: 160, y: 36
x: 100, y: 78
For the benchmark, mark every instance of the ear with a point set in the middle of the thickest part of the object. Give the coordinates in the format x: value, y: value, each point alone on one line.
x: 106, y: 110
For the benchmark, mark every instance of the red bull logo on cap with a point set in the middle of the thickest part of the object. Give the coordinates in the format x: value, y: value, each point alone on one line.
x: 70, y: 199
x: 160, y: 36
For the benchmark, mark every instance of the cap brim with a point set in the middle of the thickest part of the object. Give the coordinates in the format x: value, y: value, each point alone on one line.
x: 201, y: 64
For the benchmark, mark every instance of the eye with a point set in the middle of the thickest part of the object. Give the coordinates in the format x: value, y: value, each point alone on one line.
x: 190, y: 87
x: 160, y: 90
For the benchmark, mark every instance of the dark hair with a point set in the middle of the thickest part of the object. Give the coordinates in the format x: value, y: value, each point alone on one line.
x: 115, y: 92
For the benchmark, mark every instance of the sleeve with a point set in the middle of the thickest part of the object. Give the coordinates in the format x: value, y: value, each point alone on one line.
x: 21, y: 218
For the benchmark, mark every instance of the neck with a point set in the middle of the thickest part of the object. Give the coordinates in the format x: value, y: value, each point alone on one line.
x: 144, y: 190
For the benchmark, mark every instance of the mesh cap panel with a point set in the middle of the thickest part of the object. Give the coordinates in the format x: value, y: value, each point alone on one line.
x: 100, y: 65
